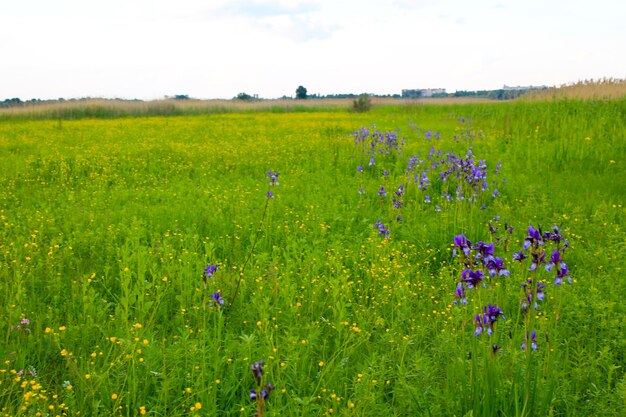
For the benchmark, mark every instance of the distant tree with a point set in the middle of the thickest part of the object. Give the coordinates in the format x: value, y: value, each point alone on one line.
x: 181, y: 97
x: 301, y: 93
x: 244, y: 97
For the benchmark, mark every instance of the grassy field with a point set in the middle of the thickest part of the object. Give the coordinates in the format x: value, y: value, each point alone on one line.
x: 360, y: 300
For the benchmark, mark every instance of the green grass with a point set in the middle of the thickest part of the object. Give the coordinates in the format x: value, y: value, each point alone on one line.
x: 107, y: 225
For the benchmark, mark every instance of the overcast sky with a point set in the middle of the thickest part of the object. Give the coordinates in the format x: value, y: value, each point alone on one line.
x: 218, y: 48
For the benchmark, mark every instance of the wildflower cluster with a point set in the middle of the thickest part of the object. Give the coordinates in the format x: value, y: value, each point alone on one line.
x: 479, y: 263
x: 457, y: 178
x: 374, y: 142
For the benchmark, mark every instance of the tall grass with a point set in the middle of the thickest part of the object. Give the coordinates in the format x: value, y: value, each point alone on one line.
x: 106, y: 227
x: 605, y: 88
x: 112, y: 108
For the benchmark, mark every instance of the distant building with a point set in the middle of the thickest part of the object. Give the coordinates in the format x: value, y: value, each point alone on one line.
x: 424, y: 92
x: 523, y: 88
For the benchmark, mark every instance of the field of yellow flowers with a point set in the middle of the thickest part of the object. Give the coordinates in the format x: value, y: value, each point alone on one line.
x: 413, y: 260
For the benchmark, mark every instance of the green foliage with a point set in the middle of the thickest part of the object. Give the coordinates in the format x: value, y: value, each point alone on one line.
x: 106, y: 227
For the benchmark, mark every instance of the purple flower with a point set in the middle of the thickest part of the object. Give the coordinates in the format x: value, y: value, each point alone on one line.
x: 533, y: 341
x: 25, y: 321
x: 397, y: 203
x: 555, y: 259
x: 400, y: 190
x: 265, y: 392
x: 562, y: 273
x: 519, y: 256
x: 382, y: 192
x: 371, y: 162
x: 472, y: 278
x: 495, y: 265
x: 460, y: 294
x: 483, y: 249
x: 210, y: 270
x: 361, y: 190
x: 359, y: 168
x: 257, y: 371
x: 427, y: 199
x: 554, y: 235
x: 462, y: 243
x: 534, y: 237
x: 540, y: 288
x: 216, y: 297
x: 382, y: 229
x: 269, y: 194
x: 538, y: 258
x: 273, y: 176
x: 486, y: 322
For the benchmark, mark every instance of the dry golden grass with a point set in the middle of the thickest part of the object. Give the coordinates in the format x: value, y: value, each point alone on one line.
x: 108, y: 108
x: 606, y: 88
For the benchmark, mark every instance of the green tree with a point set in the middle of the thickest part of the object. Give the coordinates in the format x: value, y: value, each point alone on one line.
x: 301, y: 93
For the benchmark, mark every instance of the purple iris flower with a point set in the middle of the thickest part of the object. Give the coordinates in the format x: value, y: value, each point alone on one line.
x: 534, y: 237
x: 533, y: 341
x: 269, y: 194
x: 371, y: 162
x: 540, y: 287
x: 382, y: 192
x: 216, y: 297
x: 495, y: 265
x: 359, y: 168
x: 519, y: 256
x: 427, y: 199
x: 555, y: 259
x: 460, y: 294
x: 562, y: 273
x: 382, y: 229
x: 400, y: 190
x: 472, y: 278
x: 257, y: 371
x: 273, y: 176
x: 538, y: 258
x: 484, y: 249
x: 210, y: 270
x: 397, y: 203
x: 554, y: 235
x: 490, y: 316
x: 265, y: 392
x: 462, y: 243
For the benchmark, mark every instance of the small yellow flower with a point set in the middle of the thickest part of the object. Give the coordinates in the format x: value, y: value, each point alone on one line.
x: 87, y: 376
x: 137, y: 326
x: 321, y: 363
x: 114, y: 396
x: 142, y: 410
x: 62, y: 328
x: 198, y: 405
x: 47, y: 330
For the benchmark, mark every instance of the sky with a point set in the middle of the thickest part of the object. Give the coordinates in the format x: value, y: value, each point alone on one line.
x: 148, y: 49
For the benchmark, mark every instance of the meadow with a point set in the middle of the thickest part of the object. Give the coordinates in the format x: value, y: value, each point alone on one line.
x: 450, y: 260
